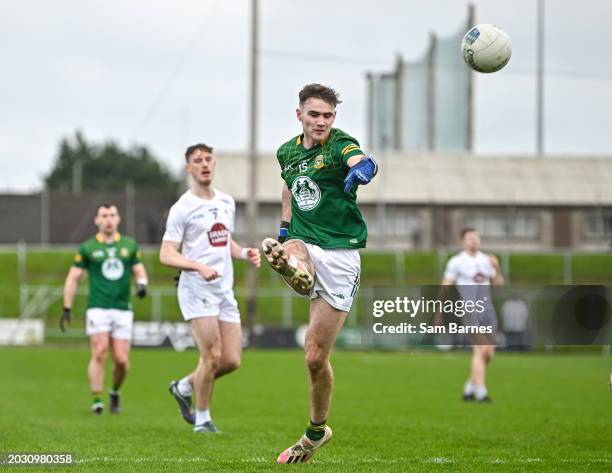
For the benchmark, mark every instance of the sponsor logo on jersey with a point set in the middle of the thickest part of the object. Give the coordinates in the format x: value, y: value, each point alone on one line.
x: 112, y: 268
x: 306, y: 193
x: 479, y: 278
x: 218, y: 235
x: 98, y: 254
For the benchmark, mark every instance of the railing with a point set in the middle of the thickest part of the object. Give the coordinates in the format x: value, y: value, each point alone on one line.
x: 37, y: 300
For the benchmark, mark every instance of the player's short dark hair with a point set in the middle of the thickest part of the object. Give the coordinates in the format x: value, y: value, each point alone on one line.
x: 466, y: 230
x: 106, y: 205
x: 197, y: 147
x: 319, y: 91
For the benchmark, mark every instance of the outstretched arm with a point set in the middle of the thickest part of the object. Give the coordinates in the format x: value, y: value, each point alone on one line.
x: 362, y: 170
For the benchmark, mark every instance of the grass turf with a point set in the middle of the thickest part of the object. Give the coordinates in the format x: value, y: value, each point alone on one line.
x: 391, y: 412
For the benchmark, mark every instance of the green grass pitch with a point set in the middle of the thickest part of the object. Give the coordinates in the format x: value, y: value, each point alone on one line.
x: 392, y: 412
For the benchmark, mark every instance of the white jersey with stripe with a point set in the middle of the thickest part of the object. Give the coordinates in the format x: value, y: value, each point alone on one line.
x: 203, y: 228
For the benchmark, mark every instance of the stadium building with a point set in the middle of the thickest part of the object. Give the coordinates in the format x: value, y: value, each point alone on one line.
x: 418, y: 201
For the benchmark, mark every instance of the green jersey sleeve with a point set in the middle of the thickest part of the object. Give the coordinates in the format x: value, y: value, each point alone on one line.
x: 81, y: 259
x: 346, y: 148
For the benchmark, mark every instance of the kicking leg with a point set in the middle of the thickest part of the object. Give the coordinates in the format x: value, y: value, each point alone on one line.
x: 292, y: 262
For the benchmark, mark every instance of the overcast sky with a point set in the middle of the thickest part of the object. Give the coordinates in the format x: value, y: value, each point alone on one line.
x: 167, y: 74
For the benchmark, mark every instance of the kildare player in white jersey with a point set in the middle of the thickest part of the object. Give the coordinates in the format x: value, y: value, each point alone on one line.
x: 198, y: 241
x: 473, y: 272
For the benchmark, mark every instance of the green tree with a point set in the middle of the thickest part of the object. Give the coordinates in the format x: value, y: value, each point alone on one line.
x: 106, y: 166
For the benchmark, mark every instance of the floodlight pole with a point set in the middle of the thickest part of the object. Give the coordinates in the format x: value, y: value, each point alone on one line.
x: 540, y: 81
x: 251, y: 197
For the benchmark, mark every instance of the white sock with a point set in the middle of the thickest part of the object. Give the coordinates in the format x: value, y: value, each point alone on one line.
x: 202, y: 416
x: 468, y: 388
x: 184, y: 387
x: 480, y: 392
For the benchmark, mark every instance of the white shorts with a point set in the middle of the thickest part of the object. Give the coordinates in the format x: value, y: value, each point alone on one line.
x: 337, y: 273
x: 114, y: 321
x: 196, y: 303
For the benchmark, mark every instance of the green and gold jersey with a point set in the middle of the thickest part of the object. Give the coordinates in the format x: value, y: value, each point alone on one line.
x: 321, y: 212
x: 109, y: 266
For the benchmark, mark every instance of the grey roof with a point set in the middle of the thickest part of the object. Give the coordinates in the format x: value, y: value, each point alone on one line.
x: 452, y: 180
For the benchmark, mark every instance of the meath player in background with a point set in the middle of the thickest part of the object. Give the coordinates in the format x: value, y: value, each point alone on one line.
x: 110, y: 260
x: 324, y: 228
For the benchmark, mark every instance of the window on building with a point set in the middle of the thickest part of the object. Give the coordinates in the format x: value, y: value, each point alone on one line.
x: 504, y: 225
x: 392, y: 221
x: 599, y: 224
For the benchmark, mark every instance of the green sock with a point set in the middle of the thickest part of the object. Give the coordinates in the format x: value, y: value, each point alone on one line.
x: 96, y: 398
x: 314, y: 431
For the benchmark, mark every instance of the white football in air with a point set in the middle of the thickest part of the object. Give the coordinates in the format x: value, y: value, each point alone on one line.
x: 486, y: 48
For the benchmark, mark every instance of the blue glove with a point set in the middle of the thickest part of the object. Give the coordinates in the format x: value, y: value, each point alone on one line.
x: 361, y: 173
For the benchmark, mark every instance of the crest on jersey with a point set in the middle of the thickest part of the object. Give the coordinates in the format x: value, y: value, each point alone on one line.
x: 218, y: 235
x: 306, y: 193
x: 112, y: 268
x: 319, y: 162
x: 124, y: 252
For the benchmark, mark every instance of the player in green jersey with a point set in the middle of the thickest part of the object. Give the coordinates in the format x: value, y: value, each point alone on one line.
x: 110, y: 260
x: 323, y: 229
